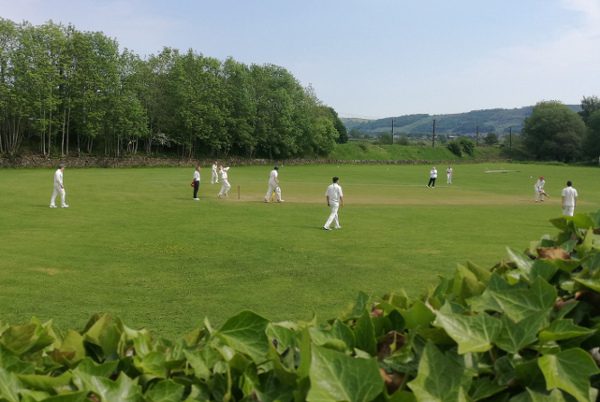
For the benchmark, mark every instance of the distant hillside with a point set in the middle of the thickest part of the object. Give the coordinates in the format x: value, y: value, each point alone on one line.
x: 488, y: 121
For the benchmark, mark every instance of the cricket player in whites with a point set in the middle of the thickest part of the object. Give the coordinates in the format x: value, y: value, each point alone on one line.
x: 59, y: 188
x: 225, y: 186
x: 539, y: 189
x: 335, y: 200
x: 274, y: 186
x: 214, y: 178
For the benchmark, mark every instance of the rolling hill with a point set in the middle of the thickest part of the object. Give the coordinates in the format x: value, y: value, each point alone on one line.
x: 497, y: 121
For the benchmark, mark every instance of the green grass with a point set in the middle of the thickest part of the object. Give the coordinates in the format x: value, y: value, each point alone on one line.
x: 134, y: 244
x: 376, y: 152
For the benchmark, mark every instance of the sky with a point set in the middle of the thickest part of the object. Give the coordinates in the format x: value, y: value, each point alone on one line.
x: 369, y: 58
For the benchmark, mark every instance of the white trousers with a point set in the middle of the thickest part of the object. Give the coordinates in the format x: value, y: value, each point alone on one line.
x: 448, y: 179
x: 333, y: 216
x: 568, y: 210
x: 273, y: 188
x: 63, y: 196
x: 214, y: 178
x: 225, y: 187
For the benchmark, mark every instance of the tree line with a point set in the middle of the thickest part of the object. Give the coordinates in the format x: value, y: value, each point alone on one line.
x: 554, y: 131
x: 68, y: 92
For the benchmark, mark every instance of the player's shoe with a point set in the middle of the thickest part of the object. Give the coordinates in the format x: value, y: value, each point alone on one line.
x: 64, y: 206
x: 52, y: 206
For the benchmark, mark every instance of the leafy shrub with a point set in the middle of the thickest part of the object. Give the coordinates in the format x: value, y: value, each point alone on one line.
x: 528, y: 329
x: 467, y: 145
x: 385, y: 139
x: 403, y: 140
x: 455, y: 148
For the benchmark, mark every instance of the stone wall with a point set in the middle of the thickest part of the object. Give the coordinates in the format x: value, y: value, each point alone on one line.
x: 144, y: 161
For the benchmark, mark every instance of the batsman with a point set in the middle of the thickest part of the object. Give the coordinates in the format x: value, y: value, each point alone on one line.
x: 274, y: 186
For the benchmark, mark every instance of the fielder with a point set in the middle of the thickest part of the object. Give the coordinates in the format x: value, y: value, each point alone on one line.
x: 335, y: 200
x: 225, y: 186
x: 569, y: 199
x: 274, y: 186
x: 432, y: 177
x: 539, y: 189
x: 449, y: 172
x: 214, y: 173
x: 59, y: 188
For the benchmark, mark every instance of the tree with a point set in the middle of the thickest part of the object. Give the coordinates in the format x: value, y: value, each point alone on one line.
x: 339, y: 126
x: 589, y: 105
x: 553, y: 132
x: 592, y: 140
x: 241, y: 107
x: 491, y: 139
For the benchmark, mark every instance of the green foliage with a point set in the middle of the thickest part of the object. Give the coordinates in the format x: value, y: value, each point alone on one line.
x: 385, y: 139
x: 467, y: 145
x: 589, y: 105
x: 553, y: 132
x: 592, y: 139
x: 455, y: 148
x: 62, y: 89
x: 524, y: 330
x: 490, y: 139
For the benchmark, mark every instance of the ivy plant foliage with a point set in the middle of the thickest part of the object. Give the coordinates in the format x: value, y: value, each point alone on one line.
x: 528, y: 329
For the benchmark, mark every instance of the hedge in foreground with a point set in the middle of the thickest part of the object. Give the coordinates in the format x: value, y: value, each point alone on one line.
x: 528, y: 329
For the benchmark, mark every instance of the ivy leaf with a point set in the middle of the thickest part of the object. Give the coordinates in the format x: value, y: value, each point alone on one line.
x: 569, y: 370
x: 245, y: 333
x: 517, y: 302
x: 563, y: 329
x: 516, y: 336
x: 45, y: 382
x: 583, y: 221
x: 124, y: 389
x: 81, y: 396
x: 365, y: 334
x: 472, y: 333
x: 440, y: 378
x: 466, y: 284
x: 339, y: 336
x: 418, y: 315
x: 522, y: 261
x: 334, y: 376
x: 90, y: 368
x: 483, y: 388
x: 9, y: 386
x: 21, y: 339
x: 591, y: 282
x: 152, y: 364
x: 165, y: 391
x: 102, y: 331
x: 533, y: 396
x: 71, y: 350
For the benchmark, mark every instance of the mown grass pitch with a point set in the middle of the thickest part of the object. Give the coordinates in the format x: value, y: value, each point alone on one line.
x: 135, y: 244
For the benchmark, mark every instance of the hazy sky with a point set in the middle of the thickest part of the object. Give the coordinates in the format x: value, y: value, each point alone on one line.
x: 369, y: 58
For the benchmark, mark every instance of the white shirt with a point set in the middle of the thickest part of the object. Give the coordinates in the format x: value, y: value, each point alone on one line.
x: 214, y: 168
x: 334, y: 192
x: 569, y: 194
x: 273, y: 177
x: 539, y: 185
x: 223, y: 173
x: 58, y: 178
x: 448, y: 171
x: 196, y: 175
x: 433, y: 173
